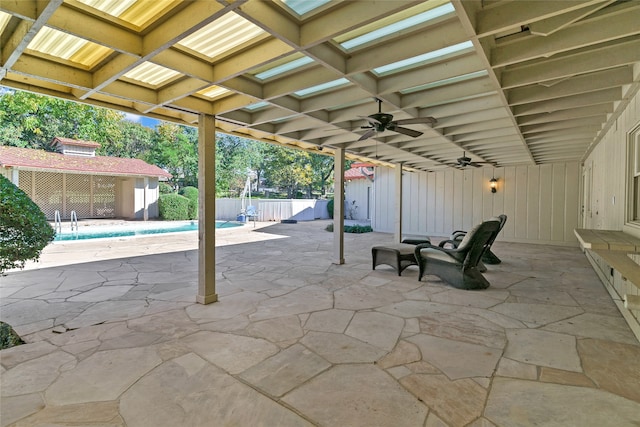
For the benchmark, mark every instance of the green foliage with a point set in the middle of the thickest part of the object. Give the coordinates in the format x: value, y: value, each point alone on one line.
x: 8, y: 337
x: 191, y: 193
x: 175, y: 149
x: 235, y: 156
x: 30, y: 120
x: 173, y: 207
x: 358, y: 229
x: 330, y: 208
x: 24, y: 230
x: 165, y: 188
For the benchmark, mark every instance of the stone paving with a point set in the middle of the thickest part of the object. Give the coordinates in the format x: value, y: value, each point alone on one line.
x: 298, y: 341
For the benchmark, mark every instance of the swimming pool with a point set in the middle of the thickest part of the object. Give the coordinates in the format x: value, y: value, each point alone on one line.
x: 106, y: 232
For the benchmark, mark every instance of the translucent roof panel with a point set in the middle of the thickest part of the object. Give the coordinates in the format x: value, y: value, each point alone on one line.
x: 302, y: 7
x: 402, y: 24
x: 257, y: 106
x: 445, y: 82
x: 223, y: 35
x: 152, y: 74
x: 4, y: 20
x: 321, y: 87
x: 68, y: 47
x: 213, y: 92
x: 139, y: 13
x: 283, y: 68
x: 416, y: 61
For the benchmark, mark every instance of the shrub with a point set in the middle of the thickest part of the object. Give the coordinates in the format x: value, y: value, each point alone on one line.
x: 173, y: 207
x: 8, y: 337
x: 191, y: 193
x: 330, y: 208
x: 24, y: 230
x: 352, y: 228
x: 165, y: 188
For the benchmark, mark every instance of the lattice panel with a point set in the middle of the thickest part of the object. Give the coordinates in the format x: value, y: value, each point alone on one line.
x: 104, y: 197
x: 78, y: 195
x: 24, y: 182
x: 48, y: 192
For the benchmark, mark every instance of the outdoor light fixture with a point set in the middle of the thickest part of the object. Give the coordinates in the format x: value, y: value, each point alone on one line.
x: 493, y: 183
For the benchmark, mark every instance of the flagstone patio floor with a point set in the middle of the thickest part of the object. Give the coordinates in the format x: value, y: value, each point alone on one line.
x: 115, y: 338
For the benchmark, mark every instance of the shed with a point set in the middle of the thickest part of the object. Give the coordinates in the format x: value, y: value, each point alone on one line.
x: 75, y: 179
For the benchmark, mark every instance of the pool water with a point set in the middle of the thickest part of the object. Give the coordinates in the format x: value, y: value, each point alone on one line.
x: 111, y: 232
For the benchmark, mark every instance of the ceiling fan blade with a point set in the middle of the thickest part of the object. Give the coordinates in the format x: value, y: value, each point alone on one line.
x: 368, y: 134
x: 405, y: 131
x: 371, y: 120
x: 417, y: 120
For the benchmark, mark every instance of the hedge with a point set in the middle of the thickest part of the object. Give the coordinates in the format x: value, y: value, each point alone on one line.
x: 165, y: 188
x: 173, y: 207
x: 191, y: 193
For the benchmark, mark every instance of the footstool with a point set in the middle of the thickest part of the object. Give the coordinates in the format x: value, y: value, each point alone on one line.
x: 398, y: 256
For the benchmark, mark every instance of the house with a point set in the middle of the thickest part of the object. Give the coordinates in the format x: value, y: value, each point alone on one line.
x: 75, y: 179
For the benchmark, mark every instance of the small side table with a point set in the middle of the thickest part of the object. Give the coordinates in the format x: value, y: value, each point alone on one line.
x: 398, y: 256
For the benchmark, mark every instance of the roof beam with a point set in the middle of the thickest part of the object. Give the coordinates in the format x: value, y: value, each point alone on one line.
x: 26, y: 30
x: 617, y: 25
x: 610, y: 56
x: 513, y: 14
x: 572, y: 86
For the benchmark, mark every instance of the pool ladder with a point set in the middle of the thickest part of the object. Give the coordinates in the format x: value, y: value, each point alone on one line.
x: 58, y: 222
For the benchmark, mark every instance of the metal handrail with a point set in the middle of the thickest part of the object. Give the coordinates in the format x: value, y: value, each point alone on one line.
x: 74, y: 220
x: 57, y: 222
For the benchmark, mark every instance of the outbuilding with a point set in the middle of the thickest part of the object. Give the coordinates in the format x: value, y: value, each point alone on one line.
x: 75, y: 179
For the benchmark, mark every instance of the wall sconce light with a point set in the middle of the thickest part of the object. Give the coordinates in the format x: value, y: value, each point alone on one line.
x: 493, y: 183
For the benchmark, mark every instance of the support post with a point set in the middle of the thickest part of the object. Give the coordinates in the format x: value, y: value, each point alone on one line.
x: 206, y: 209
x: 338, y: 207
x: 398, y: 211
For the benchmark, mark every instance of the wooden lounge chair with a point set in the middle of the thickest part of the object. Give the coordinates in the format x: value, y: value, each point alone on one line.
x: 488, y: 257
x: 458, y: 266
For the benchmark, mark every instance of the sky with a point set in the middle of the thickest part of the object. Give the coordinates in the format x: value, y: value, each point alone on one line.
x: 144, y: 121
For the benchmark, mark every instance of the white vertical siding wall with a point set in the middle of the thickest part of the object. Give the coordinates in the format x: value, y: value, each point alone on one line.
x: 356, y: 190
x: 608, y: 163
x: 541, y: 202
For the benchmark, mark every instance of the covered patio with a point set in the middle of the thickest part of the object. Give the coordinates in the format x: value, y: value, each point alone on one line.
x: 542, y: 95
x: 297, y: 340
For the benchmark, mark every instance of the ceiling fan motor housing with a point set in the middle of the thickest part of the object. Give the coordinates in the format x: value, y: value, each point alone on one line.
x: 384, y: 120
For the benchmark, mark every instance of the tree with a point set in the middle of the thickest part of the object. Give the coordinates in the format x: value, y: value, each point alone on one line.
x: 288, y: 168
x: 175, y: 149
x: 33, y: 121
x: 24, y: 230
x: 235, y: 156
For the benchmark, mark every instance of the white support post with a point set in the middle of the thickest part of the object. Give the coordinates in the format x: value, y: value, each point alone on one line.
x: 145, y: 212
x: 206, y: 209
x: 398, y: 211
x: 338, y: 207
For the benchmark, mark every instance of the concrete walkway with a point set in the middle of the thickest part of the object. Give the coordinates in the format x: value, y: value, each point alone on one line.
x: 298, y: 341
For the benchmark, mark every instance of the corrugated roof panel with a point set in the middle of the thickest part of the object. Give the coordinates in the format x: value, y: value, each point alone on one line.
x: 68, y: 47
x: 4, y: 20
x: 398, y: 26
x: 395, y: 24
x: 213, y: 92
x: 302, y: 7
x: 151, y: 74
x: 223, y: 35
x: 136, y: 12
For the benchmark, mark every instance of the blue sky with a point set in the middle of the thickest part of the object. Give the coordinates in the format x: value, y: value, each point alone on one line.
x: 144, y: 121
